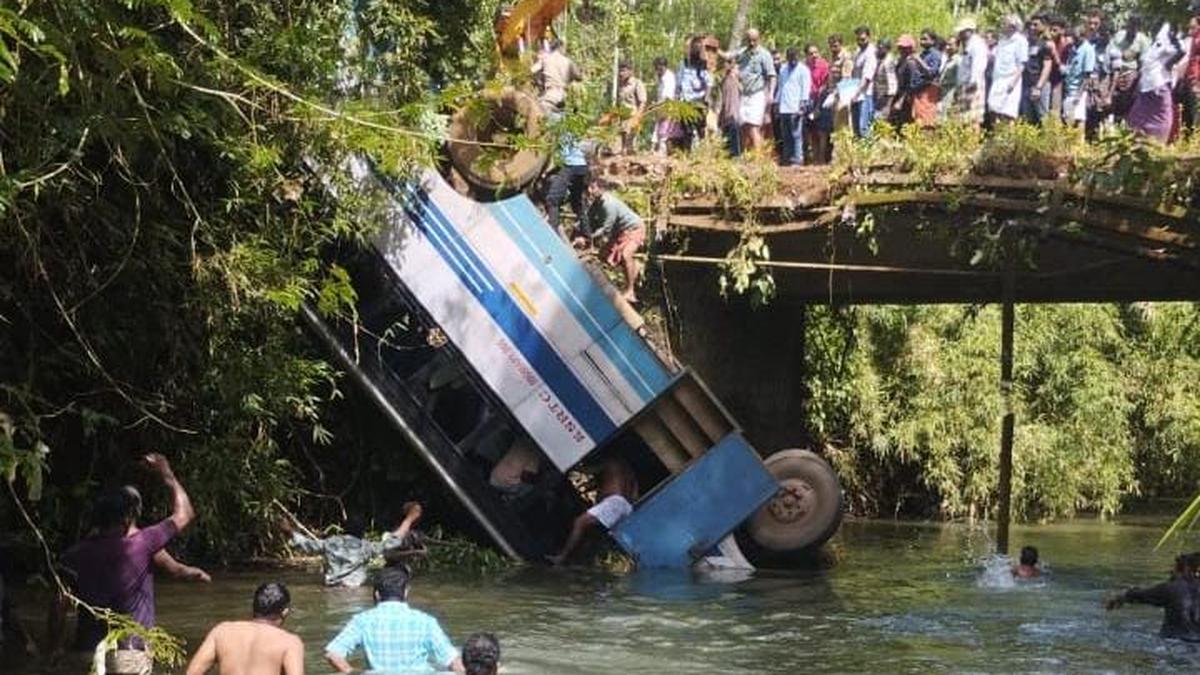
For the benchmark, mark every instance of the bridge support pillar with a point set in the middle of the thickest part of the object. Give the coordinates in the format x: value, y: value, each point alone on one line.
x: 1008, y: 316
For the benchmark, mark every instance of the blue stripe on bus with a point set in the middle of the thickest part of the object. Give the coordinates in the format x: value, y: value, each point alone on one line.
x: 577, y: 291
x: 512, y: 321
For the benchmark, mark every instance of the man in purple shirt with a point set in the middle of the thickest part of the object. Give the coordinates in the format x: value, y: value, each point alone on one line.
x: 113, y: 569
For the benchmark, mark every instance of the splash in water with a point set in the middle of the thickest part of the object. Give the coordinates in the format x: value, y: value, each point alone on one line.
x: 996, y: 572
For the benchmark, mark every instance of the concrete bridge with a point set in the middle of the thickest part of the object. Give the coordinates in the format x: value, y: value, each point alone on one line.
x: 973, y: 239
x: 1062, y: 242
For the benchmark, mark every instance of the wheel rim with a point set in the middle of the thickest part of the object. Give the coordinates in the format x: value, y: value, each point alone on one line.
x: 794, y: 501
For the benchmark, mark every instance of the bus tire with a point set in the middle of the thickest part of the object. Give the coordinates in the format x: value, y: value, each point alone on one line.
x: 802, y: 516
x: 491, y: 119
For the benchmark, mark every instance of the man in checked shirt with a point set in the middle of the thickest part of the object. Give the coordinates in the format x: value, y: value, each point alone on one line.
x: 393, y: 636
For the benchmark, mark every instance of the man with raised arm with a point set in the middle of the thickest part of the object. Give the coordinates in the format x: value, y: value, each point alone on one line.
x: 259, y: 646
x: 554, y: 72
x: 346, y: 557
x: 113, y: 568
x: 163, y: 561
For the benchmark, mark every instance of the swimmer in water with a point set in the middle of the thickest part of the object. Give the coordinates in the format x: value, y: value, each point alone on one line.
x: 1028, y: 566
x: 1179, y: 597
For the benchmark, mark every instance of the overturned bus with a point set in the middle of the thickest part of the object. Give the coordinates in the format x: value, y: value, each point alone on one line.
x: 507, y: 364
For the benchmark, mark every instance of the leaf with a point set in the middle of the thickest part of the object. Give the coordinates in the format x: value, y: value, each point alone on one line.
x: 32, y: 469
x: 8, y: 64
x: 1185, y: 521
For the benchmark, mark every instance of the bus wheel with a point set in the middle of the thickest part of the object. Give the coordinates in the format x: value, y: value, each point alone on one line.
x: 804, y: 514
x: 478, y: 134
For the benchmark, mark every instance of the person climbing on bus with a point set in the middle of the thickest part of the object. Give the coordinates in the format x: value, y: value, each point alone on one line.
x: 1028, y: 568
x: 347, y: 555
x: 609, y: 216
x: 1179, y: 597
x: 618, y: 489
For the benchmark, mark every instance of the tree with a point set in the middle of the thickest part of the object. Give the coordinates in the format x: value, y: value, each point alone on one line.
x: 740, y: 20
x: 158, y: 233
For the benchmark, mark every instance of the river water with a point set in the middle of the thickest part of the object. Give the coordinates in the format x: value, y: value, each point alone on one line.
x: 903, y: 598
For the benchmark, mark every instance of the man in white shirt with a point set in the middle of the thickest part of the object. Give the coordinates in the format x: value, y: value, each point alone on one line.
x: 1004, y: 100
x: 666, y: 128
x: 1153, y: 110
x: 972, y: 72
x: 866, y: 62
x: 793, y: 95
x: 618, y: 486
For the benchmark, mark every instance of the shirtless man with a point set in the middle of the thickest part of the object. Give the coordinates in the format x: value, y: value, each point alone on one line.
x: 255, y: 647
x: 1028, y: 567
x: 618, y: 488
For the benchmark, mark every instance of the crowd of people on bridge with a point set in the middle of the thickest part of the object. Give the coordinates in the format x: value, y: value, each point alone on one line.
x: 1082, y: 71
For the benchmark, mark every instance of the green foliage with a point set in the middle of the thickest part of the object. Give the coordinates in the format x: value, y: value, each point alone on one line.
x: 1123, y: 163
x: 158, y: 231
x: 1115, y: 10
x: 909, y: 403
x: 821, y: 18
x: 956, y: 149
x: 738, y: 187
x: 460, y: 555
x: 1186, y: 521
x: 1022, y: 150
x: 166, y: 650
x: 29, y: 464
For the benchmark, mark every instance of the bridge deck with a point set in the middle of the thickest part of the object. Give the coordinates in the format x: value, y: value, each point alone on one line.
x: 1072, y: 244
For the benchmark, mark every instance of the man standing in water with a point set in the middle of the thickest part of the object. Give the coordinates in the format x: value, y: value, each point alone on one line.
x: 259, y: 646
x: 393, y: 636
x: 1179, y: 597
x: 113, y: 568
x: 618, y: 487
x: 163, y: 561
x: 346, y: 556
